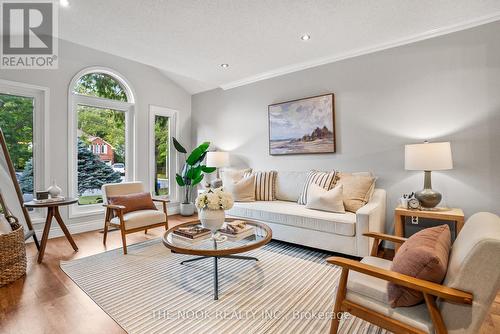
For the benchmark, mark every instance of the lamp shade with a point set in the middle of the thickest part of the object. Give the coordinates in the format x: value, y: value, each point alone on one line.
x: 217, y: 159
x: 428, y: 156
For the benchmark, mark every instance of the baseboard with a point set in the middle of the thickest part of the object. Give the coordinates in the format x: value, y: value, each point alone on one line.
x: 87, y: 226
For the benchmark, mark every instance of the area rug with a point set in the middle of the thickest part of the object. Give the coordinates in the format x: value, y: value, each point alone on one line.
x: 289, y: 290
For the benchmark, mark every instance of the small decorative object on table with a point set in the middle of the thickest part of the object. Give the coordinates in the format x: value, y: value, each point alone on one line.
x: 211, y: 205
x: 54, y: 190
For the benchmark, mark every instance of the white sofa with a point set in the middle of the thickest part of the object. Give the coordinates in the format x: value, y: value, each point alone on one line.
x: 292, y: 222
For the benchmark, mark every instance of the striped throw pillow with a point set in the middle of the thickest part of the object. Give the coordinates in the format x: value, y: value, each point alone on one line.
x: 325, y: 180
x: 265, y: 185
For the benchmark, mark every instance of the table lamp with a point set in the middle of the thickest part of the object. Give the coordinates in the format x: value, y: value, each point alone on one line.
x: 217, y: 160
x: 428, y: 157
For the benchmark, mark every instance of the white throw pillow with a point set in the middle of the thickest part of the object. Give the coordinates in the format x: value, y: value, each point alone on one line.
x: 331, y: 200
x: 4, y: 225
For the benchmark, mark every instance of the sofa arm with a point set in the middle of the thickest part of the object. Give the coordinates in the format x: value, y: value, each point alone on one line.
x: 370, y: 218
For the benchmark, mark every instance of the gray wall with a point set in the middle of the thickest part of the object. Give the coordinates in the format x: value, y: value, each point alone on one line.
x: 442, y: 89
x: 150, y: 87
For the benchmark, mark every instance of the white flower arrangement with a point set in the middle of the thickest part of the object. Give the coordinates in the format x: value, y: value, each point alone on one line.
x: 215, y: 199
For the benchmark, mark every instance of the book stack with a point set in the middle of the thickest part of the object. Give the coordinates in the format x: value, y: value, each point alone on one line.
x: 237, y: 230
x: 191, y: 234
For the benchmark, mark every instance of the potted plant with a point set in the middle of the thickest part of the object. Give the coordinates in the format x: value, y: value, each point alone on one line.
x: 212, y: 204
x: 191, y: 174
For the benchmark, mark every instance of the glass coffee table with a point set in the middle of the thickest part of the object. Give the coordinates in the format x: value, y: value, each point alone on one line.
x: 218, y: 248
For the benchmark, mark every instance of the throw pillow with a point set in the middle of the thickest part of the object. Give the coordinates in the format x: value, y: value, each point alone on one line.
x: 265, y: 185
x: 325, y: 180
x: 357, y: 190
x: 243, y: 190
x: 231, y: 175
x: 326, y: 200
x: 424, y: 255
x: 133, y: 202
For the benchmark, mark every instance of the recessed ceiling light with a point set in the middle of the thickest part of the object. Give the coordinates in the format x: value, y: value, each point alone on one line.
x: 305, y: 37
x: 224, y: 65
x: 64, y: 3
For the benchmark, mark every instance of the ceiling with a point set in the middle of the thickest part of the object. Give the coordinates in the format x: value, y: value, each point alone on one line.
x: 259, y: 39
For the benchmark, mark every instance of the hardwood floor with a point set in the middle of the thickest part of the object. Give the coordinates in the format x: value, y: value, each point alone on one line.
x: 47, y: 301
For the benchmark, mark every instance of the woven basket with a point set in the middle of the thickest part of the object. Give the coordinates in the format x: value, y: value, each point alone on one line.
x: 12, y: 254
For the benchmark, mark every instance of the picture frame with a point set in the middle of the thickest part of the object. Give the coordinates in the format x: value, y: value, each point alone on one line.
x: 302, y: 126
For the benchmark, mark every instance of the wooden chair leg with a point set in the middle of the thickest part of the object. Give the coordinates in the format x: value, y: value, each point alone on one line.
x: 106, y: 222
x: 146, y: 231
x: 337, y: 309
x: 124, y: 242
x: 436, y: 317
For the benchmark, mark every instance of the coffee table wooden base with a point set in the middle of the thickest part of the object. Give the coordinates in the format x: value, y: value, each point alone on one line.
x: 216, y: 267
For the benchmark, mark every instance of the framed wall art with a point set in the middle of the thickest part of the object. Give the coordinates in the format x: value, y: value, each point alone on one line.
x: 303, y: 126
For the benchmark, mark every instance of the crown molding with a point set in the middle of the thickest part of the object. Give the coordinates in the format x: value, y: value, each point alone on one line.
x: 363, y: 51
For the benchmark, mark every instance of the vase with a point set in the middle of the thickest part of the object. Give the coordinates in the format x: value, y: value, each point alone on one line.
x: 54, y: 190
x: 212, y: 219
x: 187, y: 209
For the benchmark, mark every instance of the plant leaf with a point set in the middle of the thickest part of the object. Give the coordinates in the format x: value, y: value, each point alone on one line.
x: 208, y: 170
x: 198, y: 180
x: 194, y: 173
x: 178, y: 146
x: 179, y: 180
x: 197, y: 153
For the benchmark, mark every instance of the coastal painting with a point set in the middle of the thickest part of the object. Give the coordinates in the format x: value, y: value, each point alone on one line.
x: 302, y: 126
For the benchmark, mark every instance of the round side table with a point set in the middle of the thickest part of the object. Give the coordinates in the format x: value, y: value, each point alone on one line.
x: 53, y: 212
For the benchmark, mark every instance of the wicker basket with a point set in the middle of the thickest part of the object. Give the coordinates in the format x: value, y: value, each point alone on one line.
x: 12, y: 254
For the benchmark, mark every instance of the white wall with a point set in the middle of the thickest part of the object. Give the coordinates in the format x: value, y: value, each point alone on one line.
x: 443, y: 89
x: 150, y: 87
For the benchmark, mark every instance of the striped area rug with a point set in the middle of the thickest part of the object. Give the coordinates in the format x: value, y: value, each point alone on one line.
x: 289, y: 290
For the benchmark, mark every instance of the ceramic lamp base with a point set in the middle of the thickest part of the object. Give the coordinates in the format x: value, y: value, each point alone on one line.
x: 428, y: 198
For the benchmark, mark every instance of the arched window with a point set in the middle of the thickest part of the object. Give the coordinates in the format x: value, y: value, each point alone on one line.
x: 101, y: 118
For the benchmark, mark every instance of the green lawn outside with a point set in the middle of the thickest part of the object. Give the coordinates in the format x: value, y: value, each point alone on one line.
x: 85, y: 200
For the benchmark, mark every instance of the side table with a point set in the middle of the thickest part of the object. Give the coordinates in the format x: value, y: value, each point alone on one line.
x: 52, y: 212
x: 453, y: 215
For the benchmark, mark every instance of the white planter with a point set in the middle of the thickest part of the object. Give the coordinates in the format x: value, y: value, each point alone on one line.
x: 187, y: 209
x: 212, y: 219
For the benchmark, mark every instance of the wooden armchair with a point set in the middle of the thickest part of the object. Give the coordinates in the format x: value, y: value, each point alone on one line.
x: 459, y: 305
x: 134, y: 221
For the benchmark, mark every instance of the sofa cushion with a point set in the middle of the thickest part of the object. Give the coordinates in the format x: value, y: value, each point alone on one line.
x: 293, y: 214
x: 325, y: 200
x: 424, y: 255
x: 325, y: 180
x: 231, y: 175
x: 289, y: 185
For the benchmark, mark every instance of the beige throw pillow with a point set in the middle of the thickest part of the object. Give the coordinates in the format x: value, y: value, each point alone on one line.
x: 231, y: 175
x: 325, y: 180
x: 244, y: 189
x: 357, y: 189
x: 319, y: 198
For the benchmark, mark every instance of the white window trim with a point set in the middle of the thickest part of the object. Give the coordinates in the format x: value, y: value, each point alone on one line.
x: 130, y: 129
x: 41, y: 131
x: 173, y: 161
